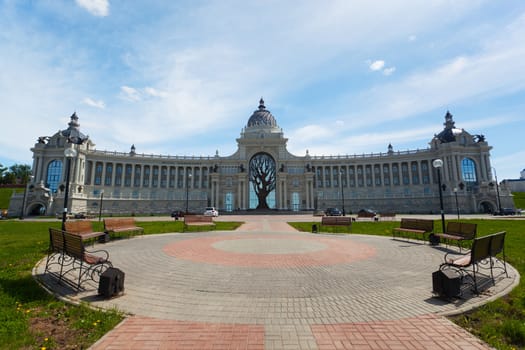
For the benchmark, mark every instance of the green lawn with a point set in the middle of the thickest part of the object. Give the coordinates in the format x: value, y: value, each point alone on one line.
x: 5, y: 196
x: 519, y: 200
x: 500, y: 323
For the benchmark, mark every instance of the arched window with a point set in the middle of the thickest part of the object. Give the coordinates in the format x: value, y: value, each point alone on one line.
x: 263, y: 179
x: 54, y: 175
x: 468, y: 172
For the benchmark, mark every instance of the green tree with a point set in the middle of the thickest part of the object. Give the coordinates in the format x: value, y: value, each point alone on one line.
x: 19, y: 173
x: 3, y: 169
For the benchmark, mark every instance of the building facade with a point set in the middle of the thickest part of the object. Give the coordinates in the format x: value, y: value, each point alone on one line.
x: 261, y: 175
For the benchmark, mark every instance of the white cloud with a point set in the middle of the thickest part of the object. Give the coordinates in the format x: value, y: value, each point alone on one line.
x: 154, y: 92
x: 97, y: 104
x: 134, y: 95
x: 99, y: 8
x: 130, y: 94
x: 377, y: 65
x: 389, y: 70
x: 412, y: 37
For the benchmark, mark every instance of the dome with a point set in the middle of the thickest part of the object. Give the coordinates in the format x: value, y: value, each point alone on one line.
x: 262, y: 117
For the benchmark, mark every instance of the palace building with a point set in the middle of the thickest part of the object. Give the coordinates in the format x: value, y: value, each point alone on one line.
x: 262, y: 175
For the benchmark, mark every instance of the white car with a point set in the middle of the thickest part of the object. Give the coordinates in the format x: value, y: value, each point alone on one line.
x: 211, y: 211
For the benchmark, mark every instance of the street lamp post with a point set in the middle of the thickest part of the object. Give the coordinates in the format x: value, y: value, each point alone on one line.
x: 342, y: 192
x: 500, y: 211
x: 438, y: 164
x: 69, y: 153
x: 456, y: 195
x: 22, y: 211
x: 100, y: 206
x: 188, y: 181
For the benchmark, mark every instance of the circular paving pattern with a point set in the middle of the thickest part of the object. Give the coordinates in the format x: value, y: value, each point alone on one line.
x: 268, y: 246
x: 278, y: 290
x: 269, y: 250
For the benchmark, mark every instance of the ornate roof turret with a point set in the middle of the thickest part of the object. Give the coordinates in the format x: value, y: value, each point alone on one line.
x: 73, y: 133
x: 262, y: 117
x: 449, y: 133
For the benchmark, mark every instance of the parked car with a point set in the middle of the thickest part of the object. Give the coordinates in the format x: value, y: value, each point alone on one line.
x: 211, y: 211
x: 176, y: 214
x: 333, y: 212
x: 507, y: 211
x: 366, y: 213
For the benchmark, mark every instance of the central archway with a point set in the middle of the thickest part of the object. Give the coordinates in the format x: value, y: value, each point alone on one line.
x: 262, y: 181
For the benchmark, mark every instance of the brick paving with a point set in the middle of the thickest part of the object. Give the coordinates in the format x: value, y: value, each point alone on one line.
x: 266, y: 286
x: 421, y: 332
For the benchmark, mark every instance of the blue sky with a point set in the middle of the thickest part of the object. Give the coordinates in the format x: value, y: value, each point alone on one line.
x: 340, y: 77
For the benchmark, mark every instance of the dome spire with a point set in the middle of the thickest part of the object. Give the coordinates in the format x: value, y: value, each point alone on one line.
x: 72, y: 133
x: 449, y: 121
x: 261, y: 104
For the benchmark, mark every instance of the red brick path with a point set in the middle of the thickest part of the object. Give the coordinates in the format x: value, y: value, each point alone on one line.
x: 423, y: 332
x: 143, y: 333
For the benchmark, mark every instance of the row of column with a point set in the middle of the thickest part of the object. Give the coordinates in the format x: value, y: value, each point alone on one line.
x: 423, y: 172
x: 166, y: 176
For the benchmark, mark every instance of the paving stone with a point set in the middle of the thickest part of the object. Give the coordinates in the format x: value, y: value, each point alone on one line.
x: 266, y: 286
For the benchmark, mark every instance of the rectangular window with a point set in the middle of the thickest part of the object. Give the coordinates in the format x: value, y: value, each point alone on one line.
x: 172, y: 177
x: 118, y: 175
x: 155, y: 177
x: 415, y: 173
x: 109, y: 174
x: 89, y: 168
x: 98, y: 173
x: 204, y: 177
x: 145, y: 183
x: 425, y: 172
x: 137, y: 176
x: 127, y: 176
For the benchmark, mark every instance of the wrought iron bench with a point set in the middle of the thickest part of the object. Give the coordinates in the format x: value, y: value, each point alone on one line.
x: 198, y: 220
x: 68, y: 253
x: 122, y: 225
x: 482, y: 255
x: 417, y: 227
x: 458, y: 232
x: 336, y: 221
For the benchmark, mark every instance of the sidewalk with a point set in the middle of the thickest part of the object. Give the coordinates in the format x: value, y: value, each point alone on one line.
x: 266, y: 286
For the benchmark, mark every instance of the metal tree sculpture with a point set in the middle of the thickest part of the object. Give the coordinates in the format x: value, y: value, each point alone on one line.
x: 262, y: 177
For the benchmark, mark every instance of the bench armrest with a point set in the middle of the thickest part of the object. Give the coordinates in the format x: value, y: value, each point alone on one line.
x: 104, y: 253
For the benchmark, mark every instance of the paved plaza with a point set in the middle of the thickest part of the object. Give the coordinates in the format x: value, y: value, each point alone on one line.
x: 267, y: 286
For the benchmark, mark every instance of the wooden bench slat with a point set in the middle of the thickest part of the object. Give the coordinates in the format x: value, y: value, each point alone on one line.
x: 336, y: 221
x: 417, y: 226
x: 458, y: 232
x: 82, y: 228
x: 121, y: 225
x: 198, y: 220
